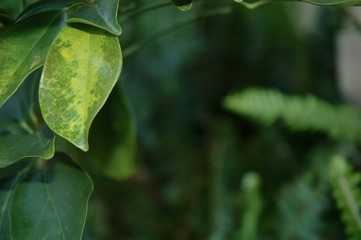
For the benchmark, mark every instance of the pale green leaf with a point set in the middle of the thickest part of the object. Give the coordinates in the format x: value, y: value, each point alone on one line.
x: 99, y: 13
x: 51, y: 202
x: 25, y: 47
x: 82, y: 68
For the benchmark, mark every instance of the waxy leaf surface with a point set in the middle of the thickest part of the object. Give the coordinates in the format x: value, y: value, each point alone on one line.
x: 82, y: 68
x: 51, y: 201
x: 17, y: 147
x: 23, y: 49
x: 99, y: 13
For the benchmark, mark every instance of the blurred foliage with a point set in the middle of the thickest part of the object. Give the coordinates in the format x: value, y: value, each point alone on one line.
x: 192, y: 154
x: 184, y: 182
x: 345, y: 184
x: 298, y: 113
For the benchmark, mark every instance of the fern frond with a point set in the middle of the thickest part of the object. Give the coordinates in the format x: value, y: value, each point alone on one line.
x: 346, y: 190
x: 298, y: 113
x: 251, y: 203
x: 300, y: 206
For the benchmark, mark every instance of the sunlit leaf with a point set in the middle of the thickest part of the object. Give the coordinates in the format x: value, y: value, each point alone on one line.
x: 25, y: 47
x: 114, y: 155
x: 99, y: 13
x: 82, y: 68
x: 51, y: 202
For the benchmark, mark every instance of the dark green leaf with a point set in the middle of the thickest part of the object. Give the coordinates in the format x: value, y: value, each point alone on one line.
x: 334, y: 2
x: 11, y: 7
x: 45, y: 6
x: 21, y: 135
x: 5, y: 20
x: 114, y: 155
x: 7, y: 187
x: 21, y: 107
x: 82, y: 68
x: 99, y: 13
x: 51, y: 202
x: 253, y: 4
x: 25, y: 47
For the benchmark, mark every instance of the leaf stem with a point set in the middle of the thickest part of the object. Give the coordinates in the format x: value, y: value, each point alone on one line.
x: 145, y: 9
x: 140, y: 44
x: 133, y: 13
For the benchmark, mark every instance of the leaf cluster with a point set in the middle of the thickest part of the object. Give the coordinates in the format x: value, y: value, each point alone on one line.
x: 297, y: 113
x: 346, y: 189
x: 63, y: 61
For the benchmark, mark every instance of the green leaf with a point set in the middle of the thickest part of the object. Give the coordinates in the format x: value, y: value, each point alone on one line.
x: 251, y: 202
x: 333, y: 2
x: 21, y: 136
x: 16, y: 147
x: 17, y: 115
x: 345, y: 187
x: 7, y: 187
x: 99, y: 13
x: 298, y: 113
x: 45, y: 6
x: 301, y: 205
x: 51, y: 202
x: 114, y: 155
x: 5, y: 20
x: 82, y: 68
x: 339, y: 3
x: 25, y: 47
x: 12, y: 7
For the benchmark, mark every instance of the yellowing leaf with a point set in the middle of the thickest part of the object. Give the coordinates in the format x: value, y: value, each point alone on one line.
x: 82, y: 68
